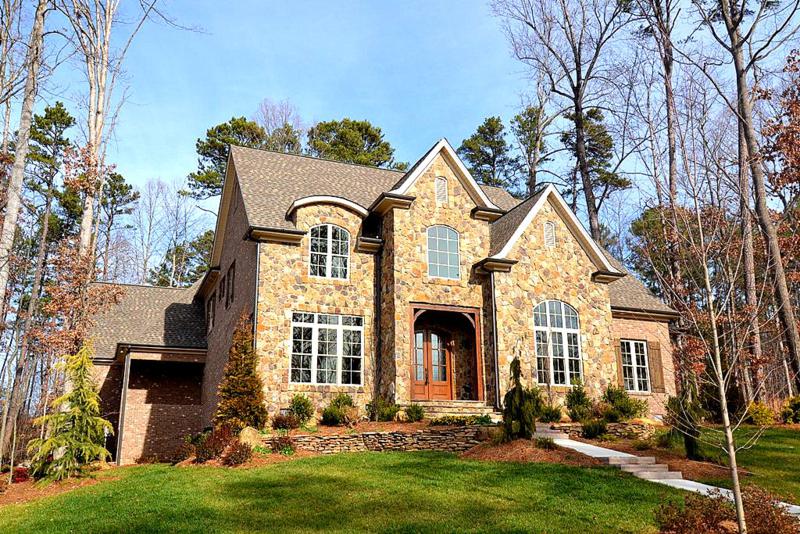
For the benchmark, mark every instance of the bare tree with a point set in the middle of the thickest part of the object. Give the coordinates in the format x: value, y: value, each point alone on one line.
x: 569, y: 42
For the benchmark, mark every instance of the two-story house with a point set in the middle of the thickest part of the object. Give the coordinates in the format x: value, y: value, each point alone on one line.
x: 419, y: 286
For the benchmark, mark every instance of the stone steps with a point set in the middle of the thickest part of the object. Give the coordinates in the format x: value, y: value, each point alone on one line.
x: 643, y: 467
x: 455, y: 408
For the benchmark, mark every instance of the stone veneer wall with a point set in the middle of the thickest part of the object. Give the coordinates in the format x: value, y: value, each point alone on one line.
x: 220, y: 337
x: 286, y: 286
x: 620, y: 430
x: 638, y: 329
x: 454, y: 439
x: 405, y: 268
x: 560, y: 273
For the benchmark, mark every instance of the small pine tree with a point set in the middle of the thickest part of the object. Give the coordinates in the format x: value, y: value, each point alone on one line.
x: 241, y: 394
x: 520, y: 406
x: 75, y: 430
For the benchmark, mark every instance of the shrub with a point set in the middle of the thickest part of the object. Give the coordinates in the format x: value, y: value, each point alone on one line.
x: 607, y: 412
x: 626, y: 406
x: 302, y: 408
x: 593, y: 428
x: 667, y: 439
x: 461, y: 420
x: 684, y: 415
x: 760, y: 414
x: 415, y: 412
x: 237, y: 454
x: 241, y: 393
x: 578, y: 403
x: 642, y: 444
x: 382, y: 410
x: 75, y: 431
x: 341, y: 411
x: 213, y: 444
x: 545, y: 443
x: 520, y: 406
x: 283, y: 445
x: 550, y: 414
x: 790, y: 413
x: 285, y: 422
x: 3, y: 485
x: 342, y: 400
x: 715, y: 514
x: 332, y: 416
x: 21, y: 474
x: 182, y: 452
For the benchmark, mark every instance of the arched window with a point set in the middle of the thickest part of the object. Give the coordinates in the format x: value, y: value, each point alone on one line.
x: 330, y: 251
x: 443, y: 259
x: 441, y: 190
x: 558, y: 353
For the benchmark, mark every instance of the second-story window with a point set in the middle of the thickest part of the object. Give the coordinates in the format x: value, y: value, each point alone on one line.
x: 330, y: 251
x: 443, y: 260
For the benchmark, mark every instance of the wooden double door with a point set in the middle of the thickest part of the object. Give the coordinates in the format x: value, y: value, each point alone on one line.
x: 432, y: 372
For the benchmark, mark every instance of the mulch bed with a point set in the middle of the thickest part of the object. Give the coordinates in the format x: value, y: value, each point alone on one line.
x: 28, y: 491
x: 525, y: 451
x: 691, y: 469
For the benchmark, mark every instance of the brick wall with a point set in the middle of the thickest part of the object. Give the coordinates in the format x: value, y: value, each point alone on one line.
x: 109, y: 381
x: 162, y: 407
x: 219, y: 338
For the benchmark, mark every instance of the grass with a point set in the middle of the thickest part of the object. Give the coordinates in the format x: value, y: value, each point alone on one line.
x: 773, y: 460
x: 386, y: 492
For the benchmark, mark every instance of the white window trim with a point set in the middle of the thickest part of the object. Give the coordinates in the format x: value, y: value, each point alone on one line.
x: 548, y: 330
x: 634, y: 366
x: 315, y: 326
x: 329, y: 254
x: 428, y: 249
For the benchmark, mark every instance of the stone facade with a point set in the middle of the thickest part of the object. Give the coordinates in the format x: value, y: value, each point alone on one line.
x: 285, y: 286
x: 456, y: 439
x: 619, y: 430
x: 564, y: 273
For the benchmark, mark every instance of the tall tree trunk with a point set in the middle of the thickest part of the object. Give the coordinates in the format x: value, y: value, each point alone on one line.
x: 583, y: 168
x: 751, y: 296
x: 14, y: 196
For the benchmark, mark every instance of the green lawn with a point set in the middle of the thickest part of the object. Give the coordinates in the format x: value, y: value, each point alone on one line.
x: 774, y: 461
x: 387, y: 492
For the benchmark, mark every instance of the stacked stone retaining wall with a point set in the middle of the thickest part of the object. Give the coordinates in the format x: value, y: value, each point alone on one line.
x: 620, y: 430
x: 450, y: 439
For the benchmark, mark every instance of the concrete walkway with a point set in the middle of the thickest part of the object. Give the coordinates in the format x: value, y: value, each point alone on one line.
x: 640, y: 465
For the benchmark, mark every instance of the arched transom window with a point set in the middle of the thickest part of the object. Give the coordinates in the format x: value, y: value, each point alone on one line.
x: 443, y: 259
x: 558, y: 354
x: 330, y: 251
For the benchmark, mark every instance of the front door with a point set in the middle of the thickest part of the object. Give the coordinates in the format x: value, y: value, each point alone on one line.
x: 432, y: 373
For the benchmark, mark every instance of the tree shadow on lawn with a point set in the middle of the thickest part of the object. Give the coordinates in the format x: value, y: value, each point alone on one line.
x: 387, y: 492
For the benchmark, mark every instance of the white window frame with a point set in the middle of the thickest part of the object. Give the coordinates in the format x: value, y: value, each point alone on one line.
x: 549, y: 330
x: 428, y: 252
x: 340, y: 328
x: 634, y: 366
x: 328, y: 254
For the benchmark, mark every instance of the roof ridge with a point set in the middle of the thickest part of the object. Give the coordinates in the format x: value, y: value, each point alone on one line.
x: 329, y: 160
x: 129, y: 284
x: 522, y: 203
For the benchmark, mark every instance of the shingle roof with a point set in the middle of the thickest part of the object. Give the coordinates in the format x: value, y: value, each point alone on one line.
x: 503, y: 228
x: 153, y: 316
x: 271, y: 181
x: 630, y: 293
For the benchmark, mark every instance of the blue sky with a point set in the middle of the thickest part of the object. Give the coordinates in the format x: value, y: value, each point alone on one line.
x: 420, y: 70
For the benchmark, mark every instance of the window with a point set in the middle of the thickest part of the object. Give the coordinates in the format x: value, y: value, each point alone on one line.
x: 326, y: 349
x: 231, y: 283
x: 210, y: 309
x: 441, y: 190
x: 550, y: 234
x: 557, y: 340
x: 635, y: 374
x: 330, y: 251
x: 222, y: 286
x: 443, y: 261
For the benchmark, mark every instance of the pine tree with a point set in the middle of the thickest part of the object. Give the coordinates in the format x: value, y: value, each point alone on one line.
x: 75, y: 430
x: 241, y: 394
x: 521, y: 405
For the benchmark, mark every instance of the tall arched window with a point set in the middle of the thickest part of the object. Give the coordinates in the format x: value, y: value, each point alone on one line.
x: 330, y: 251
x: 443, y: 259
x: 558, y: 353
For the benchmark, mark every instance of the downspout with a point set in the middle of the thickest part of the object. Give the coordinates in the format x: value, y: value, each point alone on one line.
x: 255, y: 300
x: 496, y: 352
x: 126, y: 373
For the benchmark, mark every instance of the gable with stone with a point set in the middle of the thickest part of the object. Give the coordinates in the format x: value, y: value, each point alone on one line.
x: 418, y: 286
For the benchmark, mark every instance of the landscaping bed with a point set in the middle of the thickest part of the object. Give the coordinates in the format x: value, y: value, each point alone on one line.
x: 527, y: 451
